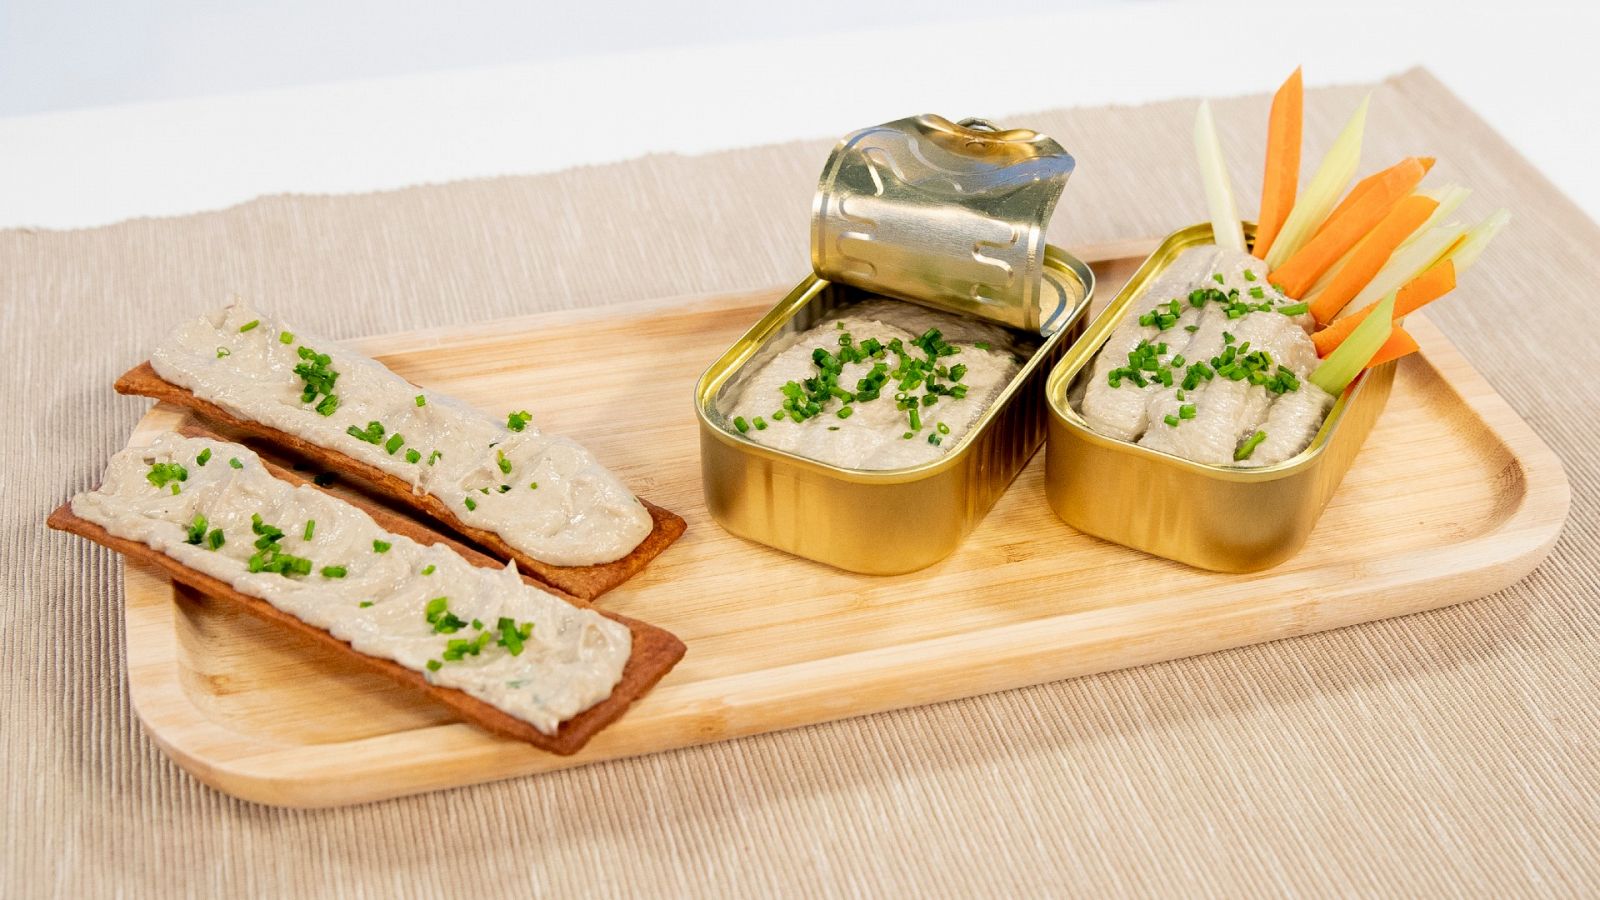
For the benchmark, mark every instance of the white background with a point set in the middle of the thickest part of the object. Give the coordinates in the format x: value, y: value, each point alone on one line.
x: 117, y: 108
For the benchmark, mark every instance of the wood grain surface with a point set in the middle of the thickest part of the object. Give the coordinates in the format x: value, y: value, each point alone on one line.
x: 1453, y: 498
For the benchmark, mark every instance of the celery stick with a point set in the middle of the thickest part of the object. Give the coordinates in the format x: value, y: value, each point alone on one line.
x: 1225, y: 227
x: 1347, y: 360
x: 1471, y: 246
x: 1450, y: 198
x: 1327, y: 185
x: 1406, y: 264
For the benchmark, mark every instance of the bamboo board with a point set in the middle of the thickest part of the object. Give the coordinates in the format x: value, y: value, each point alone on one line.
x: 1453, y: 498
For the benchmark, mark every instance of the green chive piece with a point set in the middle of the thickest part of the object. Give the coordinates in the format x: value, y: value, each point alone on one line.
x: 364, y: 604
x: 421, y: 400
x: 223, y: 351
x: 434, y: 457
x: 1171, y: 421
x: 428, y: 569
x: 249, y: 325
x: 1257, y: 292
x: 1249, y: 275
x: 328, y: 405
x: 215, y: 539
x: 1186, y: 411
x: 1249, y: 446
x: 204, y: 457
x: 311, y: 527
x: 943, y: 428
x: 517, y: 421
x: 413, y: 455
x: 1294, y: 309
x: 197, y: 530
x: 471, y: 503
x: 285, y: 337
x: 844, y: 412
x: 760, y: 423
x: 533, y: 486
x: 1218, y: 278
x: 434, y: 665
x: 381, y: 546
x: 741, y: 424
x: 333, y: 571
x: 234, y: 462
x: 501, y: 461
x: 394, y: 443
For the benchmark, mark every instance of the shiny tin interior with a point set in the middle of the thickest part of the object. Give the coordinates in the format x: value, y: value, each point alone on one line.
x: 875, y: 521
x: 1215, y: 517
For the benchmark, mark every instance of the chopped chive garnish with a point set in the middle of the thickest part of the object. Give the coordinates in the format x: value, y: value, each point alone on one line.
x: 741, y: 424
x: 223, y: 351
x: 235, y: 463
x: 311, y: 527
x: 176, y: 490
x: 760, y: 423
x: 1249, y: 275
x: 364, y: 604
x: 471, y: 503
x: 413, y: 455
x: 215, y: 539
x: 1171, y: 421
x: 517, y: 421
x: 533, y: 485
x: 1257, y: 292
x: 434, y: 665
x: 162, y: 474
x: 285, y: 337
x: 906, y: 437
x: 1294, y: 309
x: 1191, y: 328
x: 1227, y: 337
x: 1218, y: 278
x: 328, y: 405
x: 394, y: 443
x: 197, y: 530
x: 249, y: 325
x: 511, y: 637
x: 333, y: 571
x: 204, y: 457
x: 501, y: 461
x: 844, y: 412
x: 504, y: 488
x: 935, y: 439
x: 1186, y: 411
x: 1249, y: 446
x: 434, y: 457
x: 428, y: 569
x: 981, y: 345
x: 943, y: 428
x: 381, y: 546
x: 421, y: 400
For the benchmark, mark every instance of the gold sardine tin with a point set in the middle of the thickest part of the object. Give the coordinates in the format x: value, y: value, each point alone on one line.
x: 950, y: 216
x: 875, y: 522
x: 1221, y: 518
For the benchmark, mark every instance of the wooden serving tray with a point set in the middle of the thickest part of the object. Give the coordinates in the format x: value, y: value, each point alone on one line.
x: 1454, y: 497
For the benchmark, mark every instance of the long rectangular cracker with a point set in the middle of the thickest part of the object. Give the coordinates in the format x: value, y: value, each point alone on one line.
x: 654, y: 650
x: 587, y: 582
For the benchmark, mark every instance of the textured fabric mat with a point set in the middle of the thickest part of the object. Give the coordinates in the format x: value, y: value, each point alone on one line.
x: 1453, y: 752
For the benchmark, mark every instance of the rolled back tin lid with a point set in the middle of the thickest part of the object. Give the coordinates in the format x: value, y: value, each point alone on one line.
x: 944, y: 214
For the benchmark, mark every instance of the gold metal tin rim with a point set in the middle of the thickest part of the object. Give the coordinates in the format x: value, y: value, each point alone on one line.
x: 1081, y: 354
x: 1172, y: 507
x: 718, y: 373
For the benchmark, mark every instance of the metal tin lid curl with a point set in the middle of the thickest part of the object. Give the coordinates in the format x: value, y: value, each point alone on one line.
x: 944, y: 214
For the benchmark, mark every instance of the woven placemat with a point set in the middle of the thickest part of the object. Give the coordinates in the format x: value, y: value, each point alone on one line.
x: 1452, y: 751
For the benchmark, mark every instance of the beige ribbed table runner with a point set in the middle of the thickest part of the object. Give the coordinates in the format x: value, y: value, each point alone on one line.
x: 1453, y: 752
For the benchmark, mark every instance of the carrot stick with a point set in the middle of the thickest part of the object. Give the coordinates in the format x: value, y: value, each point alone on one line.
x: 1399, y: 344
x: 1282, y: 176
x: 1366, y: 184
x: 1438, y: 280
x: 1368, y: 256
x: 1299, y: 272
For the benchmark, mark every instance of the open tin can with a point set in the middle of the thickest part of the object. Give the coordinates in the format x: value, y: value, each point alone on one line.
x: 949, y: 216
x: 1221, y: 518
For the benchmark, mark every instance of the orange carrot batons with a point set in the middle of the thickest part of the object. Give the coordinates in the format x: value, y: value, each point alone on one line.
x: 1366, y: 184
x: 1299, y: 272
x: 1399, y: 344
x: 1369, y: 255
x: 1282, y: 176
x: 1438, y: 280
